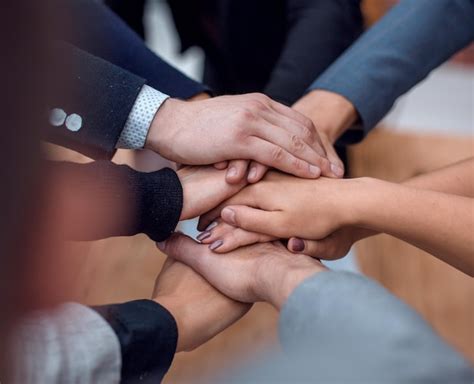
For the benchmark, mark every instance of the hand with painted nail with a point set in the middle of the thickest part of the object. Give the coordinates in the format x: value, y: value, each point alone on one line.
x: 263, y: 272
x: 248, y: 127
x: 203, y: 188
x: 222, y: 237
x: 200, y: 311
x: 284, y: 206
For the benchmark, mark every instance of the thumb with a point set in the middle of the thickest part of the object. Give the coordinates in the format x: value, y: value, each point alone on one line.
x: 182, y: 248
x: 252, y: 219
x: 313, y: 248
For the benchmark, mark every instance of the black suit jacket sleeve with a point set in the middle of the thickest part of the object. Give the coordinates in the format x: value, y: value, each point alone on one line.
x: 109, y: 38
x: 318, y: 32
x: 101, y: 93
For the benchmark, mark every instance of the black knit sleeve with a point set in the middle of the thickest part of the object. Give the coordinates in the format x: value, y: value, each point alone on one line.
x: 147, y: 334
x: 105, y: 200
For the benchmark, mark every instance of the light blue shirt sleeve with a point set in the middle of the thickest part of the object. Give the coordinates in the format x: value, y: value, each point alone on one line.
x: 399, y: 51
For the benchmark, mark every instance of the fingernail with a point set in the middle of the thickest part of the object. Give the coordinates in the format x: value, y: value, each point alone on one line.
x: 315, y: 171
x: 204, y: 235
x: 229, y: 215
x: 216, y: 244
x: 212, y: 225
x: 161, y: 245
x: 232, y: 172
x: 337, y: 170
x: 297, y: 245
x: 253, y: 173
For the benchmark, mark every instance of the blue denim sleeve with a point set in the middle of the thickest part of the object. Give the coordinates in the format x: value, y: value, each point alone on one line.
x: 399, y: 51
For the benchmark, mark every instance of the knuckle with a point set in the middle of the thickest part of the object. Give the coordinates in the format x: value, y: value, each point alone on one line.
x: 296, y: 143
x: 277, y: 154
x: 298, y: 164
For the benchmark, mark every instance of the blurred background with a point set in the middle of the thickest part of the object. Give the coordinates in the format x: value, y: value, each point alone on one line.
x: 431, y: 126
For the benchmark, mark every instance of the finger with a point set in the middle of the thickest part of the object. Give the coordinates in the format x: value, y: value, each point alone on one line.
x: 254, y: 220
x: 293, y: 144
x: 225, y: 238
x: 256, y: 172
x: 337, y: 166
x: 275, y: 156
x: 325, y: 249
x: 244, y: 197
x: 236, y: 171
x: 293, y: 127
x: 184, y: 249
x: 221, y: 165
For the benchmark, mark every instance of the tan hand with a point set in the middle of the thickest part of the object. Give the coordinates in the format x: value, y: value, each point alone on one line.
x: 200, y: 311
x: 263, y: 272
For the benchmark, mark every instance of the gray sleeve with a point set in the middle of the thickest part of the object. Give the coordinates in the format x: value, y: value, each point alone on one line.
x: 70, y: 344
x: 353, y: 329
x: 399, y: 51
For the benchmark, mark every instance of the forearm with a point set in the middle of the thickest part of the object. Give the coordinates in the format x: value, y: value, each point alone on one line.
x: 438, y: 223
x: 456, y: 179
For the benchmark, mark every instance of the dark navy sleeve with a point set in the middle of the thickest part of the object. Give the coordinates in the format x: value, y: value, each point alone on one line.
x: 109, y: 38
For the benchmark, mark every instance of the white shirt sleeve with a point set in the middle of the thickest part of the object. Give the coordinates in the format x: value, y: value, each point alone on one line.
x: 139, y: 121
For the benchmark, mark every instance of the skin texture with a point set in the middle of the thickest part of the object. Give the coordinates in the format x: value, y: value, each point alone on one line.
x: 200, y: 311
x: 327, y: 209
x: 262, y: 272
x: 245, y: 127
x: 203, y: 188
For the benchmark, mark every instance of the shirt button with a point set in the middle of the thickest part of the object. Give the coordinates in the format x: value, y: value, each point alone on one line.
x: 74, y: 122
x: 57, y: 117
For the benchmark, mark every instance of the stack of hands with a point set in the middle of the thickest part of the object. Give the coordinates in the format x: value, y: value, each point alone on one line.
x: 246, y: 209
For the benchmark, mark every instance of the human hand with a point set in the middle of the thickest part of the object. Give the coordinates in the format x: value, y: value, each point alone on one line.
x: 283, y: 206
x: 332, y: 247
x: 222, y: 238
x: 200, y: 311
x: 263, y: 272
x: 246, y: 127
x: 204, y: 188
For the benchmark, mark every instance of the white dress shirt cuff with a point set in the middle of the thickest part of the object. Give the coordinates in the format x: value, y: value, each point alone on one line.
x: 139, y: 121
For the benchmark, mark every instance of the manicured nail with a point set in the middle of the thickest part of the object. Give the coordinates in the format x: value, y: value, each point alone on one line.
x: 232, y: 172
x: 204, y: 235
x: 252, y: 173
x: 216, y: 244
x: 315, y: 171
x: 297, y: 245
x: 161, y: 245
x: 212, y: 225
x: 229, y: 215
x: 337, y: 170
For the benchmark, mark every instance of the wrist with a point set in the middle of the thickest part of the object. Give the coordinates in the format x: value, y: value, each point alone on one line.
x: 157, y: 139
x: 330, y: 112
x: 365, y: 202
x: 279, y: 280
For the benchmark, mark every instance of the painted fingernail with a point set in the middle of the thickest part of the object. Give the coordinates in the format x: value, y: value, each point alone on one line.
x: 297, y: 245
x: 315, y: 171
x: 212, y: 225
x: 229, y: 215
x: 253, y: 173
x: 204, y: 235
x: 232, y: 172
x: 161, y: 245
x: 337, y: 170
x: 216, y: 244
